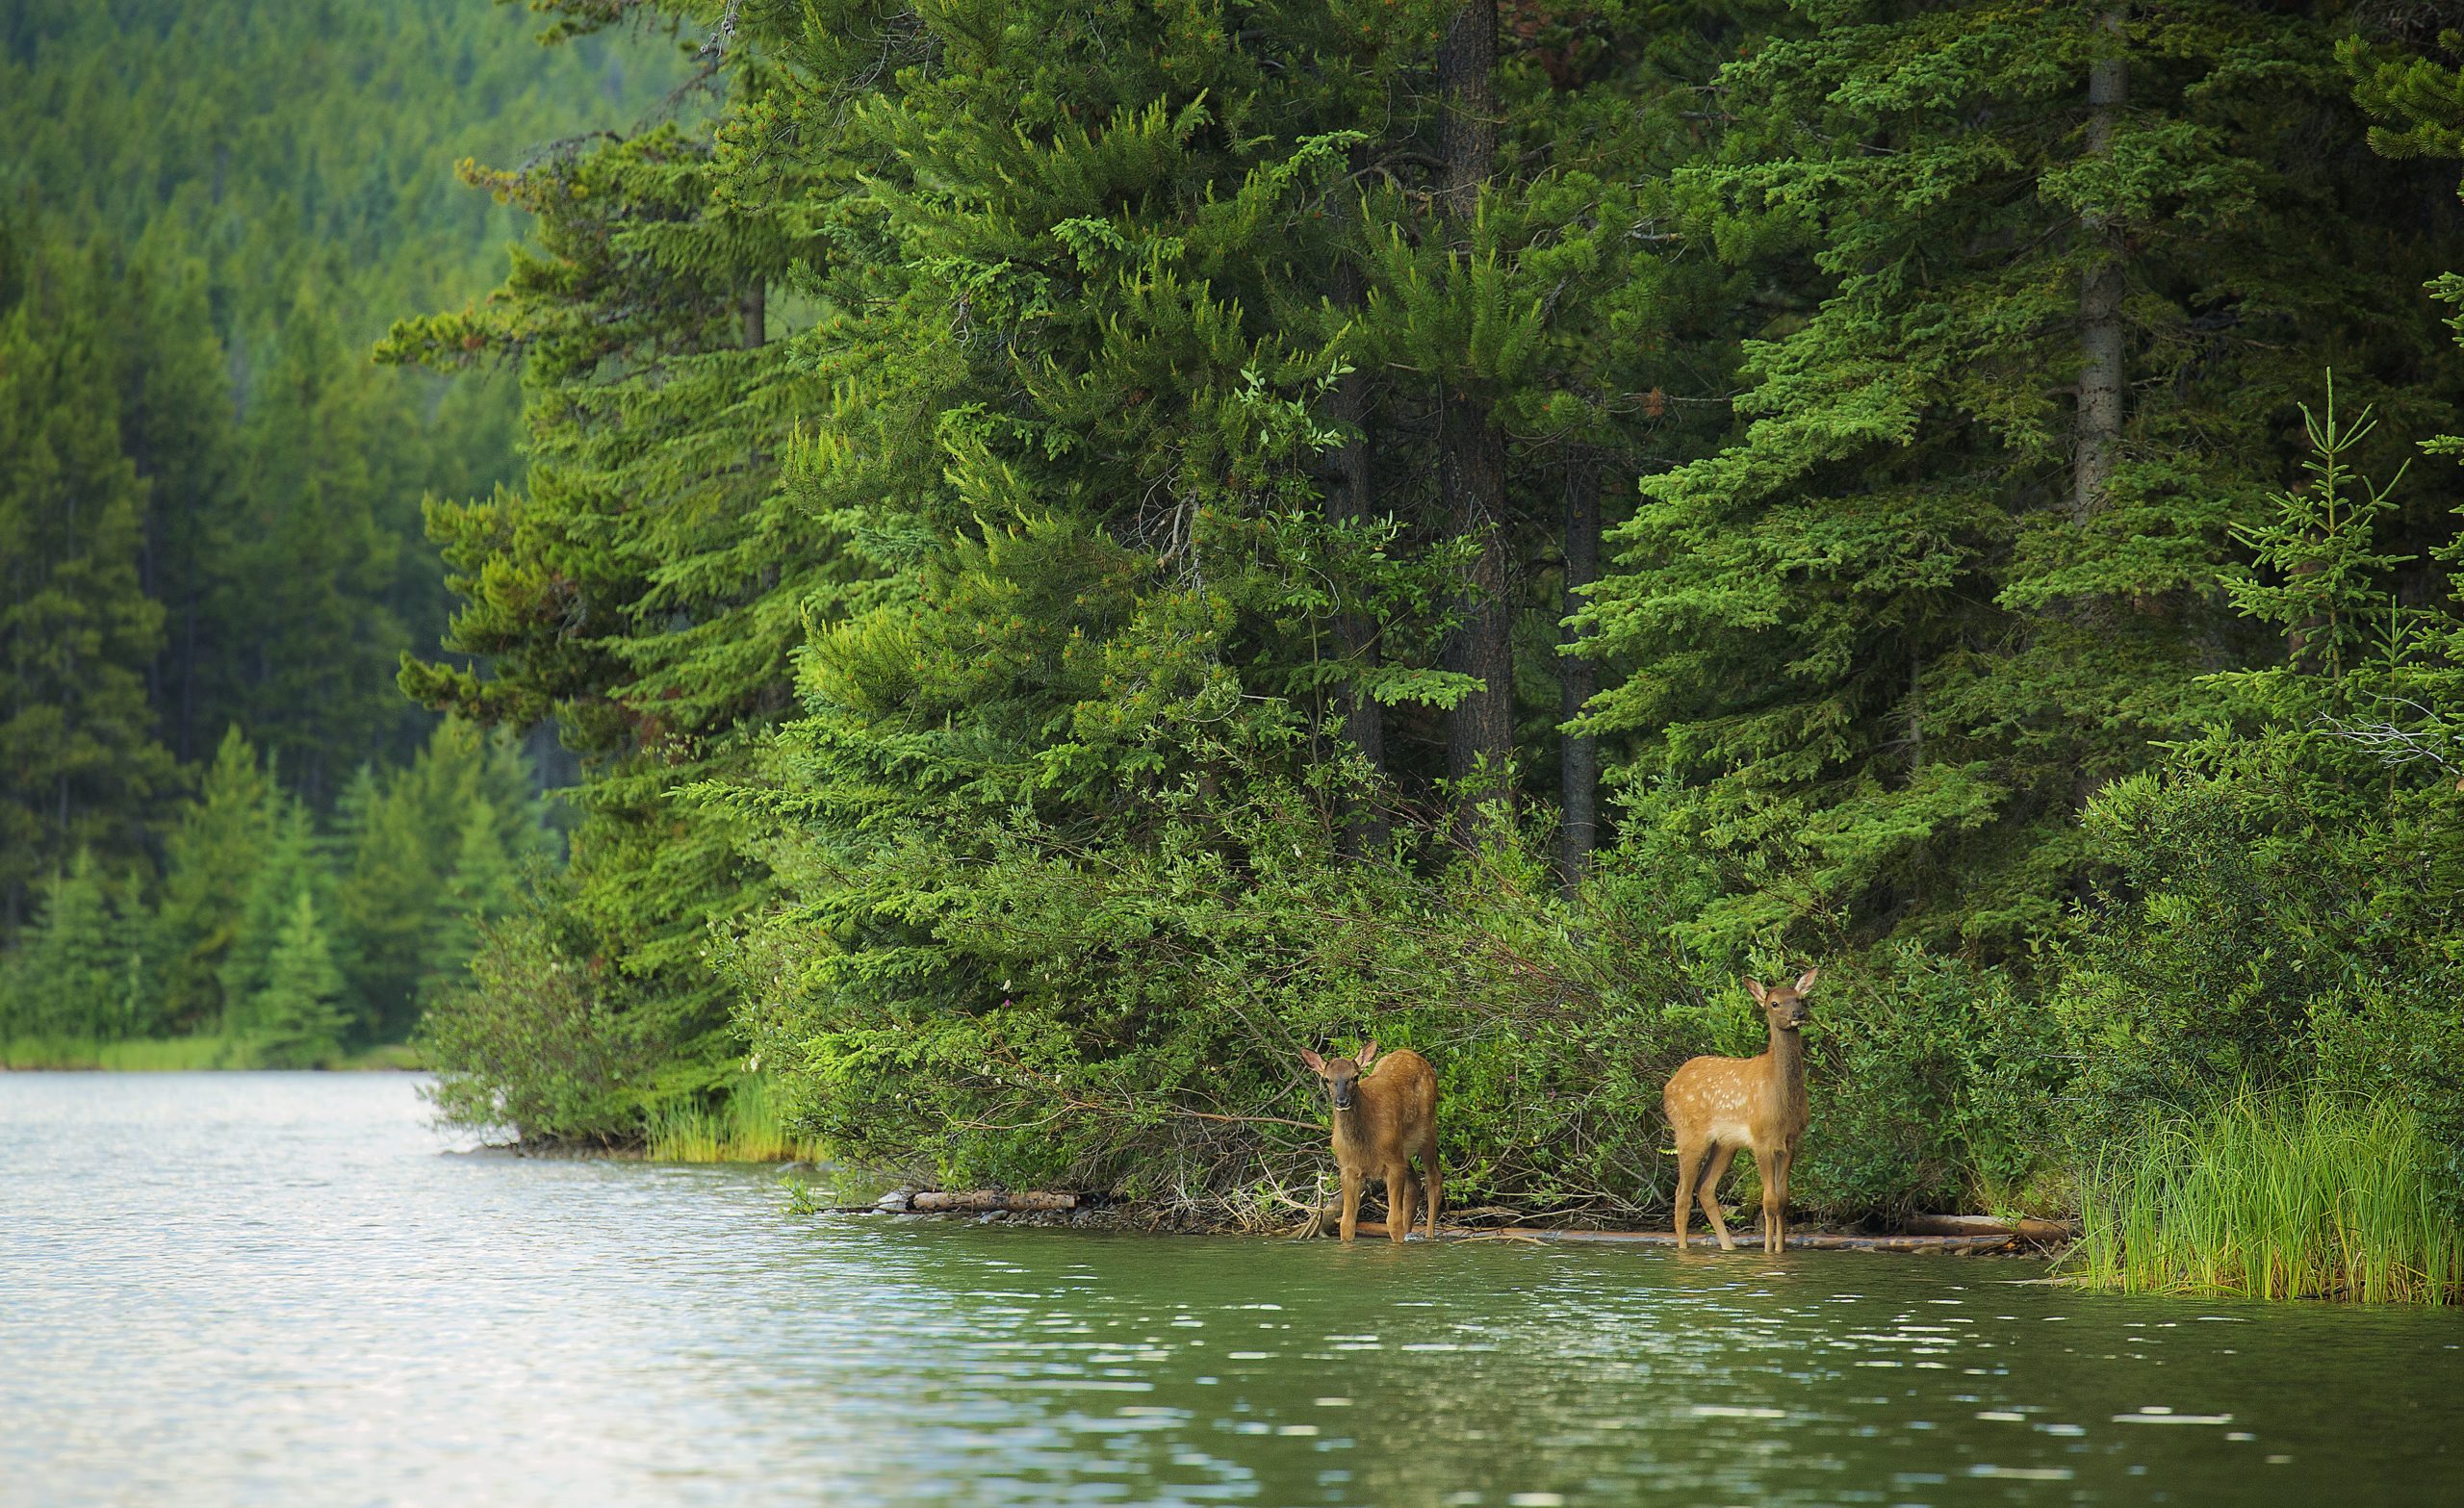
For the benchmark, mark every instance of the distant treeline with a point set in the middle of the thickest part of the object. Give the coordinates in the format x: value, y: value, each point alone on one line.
x: 287, y: 937
x: 210, y: 498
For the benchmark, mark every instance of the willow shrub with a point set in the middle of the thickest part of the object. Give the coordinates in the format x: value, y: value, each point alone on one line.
x: 532, y: 1041
x: 2296, y: 1195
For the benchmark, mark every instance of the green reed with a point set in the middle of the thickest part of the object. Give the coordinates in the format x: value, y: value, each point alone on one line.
x: 750, y: 1126
x: 2313, y: 1195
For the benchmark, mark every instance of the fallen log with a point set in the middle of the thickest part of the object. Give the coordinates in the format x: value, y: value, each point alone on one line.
x: 991, y: 1199
x: 2034, y: 1232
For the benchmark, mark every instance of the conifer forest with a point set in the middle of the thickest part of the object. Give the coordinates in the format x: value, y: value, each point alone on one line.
x: 985, y: 573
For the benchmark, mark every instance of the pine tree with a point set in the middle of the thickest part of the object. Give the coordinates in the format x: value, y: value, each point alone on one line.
x: 291, y: 867
x: 481, y: 887
x: 73, y: 982
x: 177, y: 428
x: 316, y: 586
x: 398, y: 842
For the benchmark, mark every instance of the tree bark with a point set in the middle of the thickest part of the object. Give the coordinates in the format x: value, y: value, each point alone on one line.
x: 1480, y: 729
x: 1578, y: 678
x: 756, y: 315
x: 1350, y: 500
x: 2100, y: 294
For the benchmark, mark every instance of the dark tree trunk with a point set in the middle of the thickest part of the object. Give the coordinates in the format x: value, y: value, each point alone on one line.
x: 1350, y: 500
x: 2096, y: 439
x: 1579, y: 753
x: 756, y: 315
x: 188, y: 670
x: 1479, y: 731
x: 2102, y: 373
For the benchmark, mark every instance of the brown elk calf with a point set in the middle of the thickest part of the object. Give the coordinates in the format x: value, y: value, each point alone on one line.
x: 1382, y: 1119
x: 1717, y: 1105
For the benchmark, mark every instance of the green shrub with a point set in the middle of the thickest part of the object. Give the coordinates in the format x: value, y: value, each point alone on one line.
x: 1933, y: 1082
x: 529, y: 1043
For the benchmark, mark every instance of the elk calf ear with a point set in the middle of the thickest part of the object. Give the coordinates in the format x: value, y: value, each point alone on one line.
x: 1754, y: 987
x: 1317, y: 1064
x: 1367, y: 1055
x: 1804, y: 981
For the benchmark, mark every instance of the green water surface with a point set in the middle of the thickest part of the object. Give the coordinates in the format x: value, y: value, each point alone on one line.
x: 244, y: 1289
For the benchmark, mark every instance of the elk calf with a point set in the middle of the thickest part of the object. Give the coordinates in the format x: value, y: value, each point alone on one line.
x: 1717, y: 1105
x: 1382, y: 1119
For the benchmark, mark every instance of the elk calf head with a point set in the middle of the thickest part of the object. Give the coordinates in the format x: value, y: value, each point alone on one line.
x: 1784, y: 1006
x: 1341, y: 1074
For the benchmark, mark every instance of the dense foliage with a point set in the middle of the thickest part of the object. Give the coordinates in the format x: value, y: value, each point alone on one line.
x: 1072, y: 542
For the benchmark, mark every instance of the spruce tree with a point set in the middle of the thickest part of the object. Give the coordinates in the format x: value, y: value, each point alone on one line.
x: 177, y: 428
x: 72, y: 982
x: 79, y: 764
x: 210, y: 858
x: 1963, y: 563
x: 292, y: 866
x: 481, y: 887
x: 294, y: 1018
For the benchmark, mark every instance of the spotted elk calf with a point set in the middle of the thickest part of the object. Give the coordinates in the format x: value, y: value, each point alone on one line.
x: 1381, y: 1120
x: 1717, y: 1105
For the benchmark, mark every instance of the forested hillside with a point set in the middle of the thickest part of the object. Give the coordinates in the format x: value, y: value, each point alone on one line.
x: 211, y: 498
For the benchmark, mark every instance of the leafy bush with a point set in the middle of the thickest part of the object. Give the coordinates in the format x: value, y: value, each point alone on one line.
x: 530, y: 1042
x: 1932, y: 1085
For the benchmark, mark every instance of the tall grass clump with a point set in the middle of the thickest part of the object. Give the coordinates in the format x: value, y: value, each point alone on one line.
x: 2312, y: 1195
x: 751, y: 1125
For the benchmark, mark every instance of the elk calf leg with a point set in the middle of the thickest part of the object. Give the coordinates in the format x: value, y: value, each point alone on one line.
x: 1768, y: 1162
x: 1351, y: 1203
x: 1437, y: 1189
x: 1784, y: 1164
x: 1690, y: 1167
x: 1400, y: 1195
x: 1709, y: 1193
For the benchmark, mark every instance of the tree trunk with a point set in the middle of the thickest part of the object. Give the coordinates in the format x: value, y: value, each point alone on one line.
x: 1479, y: 731
x: 1579, y: 753
x: 756, y: 315
x: 1349, y: 500
x: 2100, y: 294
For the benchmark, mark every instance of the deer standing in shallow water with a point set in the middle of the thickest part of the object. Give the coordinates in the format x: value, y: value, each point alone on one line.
x: 1717, y: 1105
x: 1382, y: 1119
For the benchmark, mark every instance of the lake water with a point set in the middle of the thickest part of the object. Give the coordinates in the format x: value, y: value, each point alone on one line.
x: 287, y: 1288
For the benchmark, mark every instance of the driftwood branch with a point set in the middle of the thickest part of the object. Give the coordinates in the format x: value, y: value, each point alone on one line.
x: 991, y: 1199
